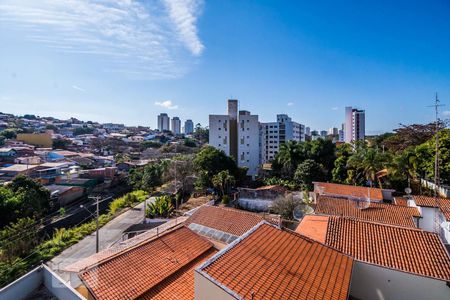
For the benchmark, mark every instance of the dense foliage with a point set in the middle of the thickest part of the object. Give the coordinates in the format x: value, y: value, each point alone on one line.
x: 24, y: 197
x: 162, y: 207
x: 392, y: 160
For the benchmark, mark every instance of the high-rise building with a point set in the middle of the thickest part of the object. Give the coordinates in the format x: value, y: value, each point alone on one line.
x: 333, y: 131
x: 237, y: 135
x: 307, y: 131
x: 323, y: 133
x: 355, y: 125
x: 176, y: 125
x: 163, y: 122
x: 276, y: 133
x: 188, y: 127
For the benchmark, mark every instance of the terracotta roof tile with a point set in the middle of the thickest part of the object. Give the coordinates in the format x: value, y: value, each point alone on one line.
x: 377, y: 212
x: 335, y: 189
x: 133, y: 272
x: 180, y: 285
x: 405, y: 249
x: 280, y: 264
x: 444, y: 206
x: 314, y: 227
x: 229, y: 220
x: 425, y: 201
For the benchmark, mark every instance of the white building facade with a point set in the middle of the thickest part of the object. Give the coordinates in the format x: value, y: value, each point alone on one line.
x: 274, y: 134
x: 237, y: 135
x: 355, y: 125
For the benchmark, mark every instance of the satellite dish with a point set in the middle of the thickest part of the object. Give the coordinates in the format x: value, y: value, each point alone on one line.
x: 301, y: 210
x: 361, y: 202
x: 408, y: 190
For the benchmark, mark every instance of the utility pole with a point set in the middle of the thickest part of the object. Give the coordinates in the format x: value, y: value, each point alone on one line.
x: 96, y: 216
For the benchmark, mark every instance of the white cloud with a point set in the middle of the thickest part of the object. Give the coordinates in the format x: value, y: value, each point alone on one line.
x: 166, y: 104
x: 290, y: 104
x: 335, y: 108
x: 75, y: 87
x: 137, y: 38
x: 184, y: 14
x: 446, y: 113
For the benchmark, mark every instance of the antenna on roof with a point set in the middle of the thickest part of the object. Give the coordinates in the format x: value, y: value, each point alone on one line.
x: 436, y: 106
x: 301, y: 210
x: 360, y: 202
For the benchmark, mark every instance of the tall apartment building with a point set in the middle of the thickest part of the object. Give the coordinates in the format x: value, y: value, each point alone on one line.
x: 333, y: 131
x: 188, y: 127
x: 237, y: 134
x: 163, y: 122
x: 176, y: 125
x: 355, y: 125
x: 274, y: 134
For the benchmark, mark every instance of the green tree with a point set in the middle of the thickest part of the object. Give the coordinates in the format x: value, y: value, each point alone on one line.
x: 210, y: 161
x: 222, y: 181
x: 201, y: 133
x: 24, y: 197
x: 367, y: 162
x: 307, y: 172
x: 9, y: 133
x: 17, y: 239
x: 60, y: 143
x: 288, y: 158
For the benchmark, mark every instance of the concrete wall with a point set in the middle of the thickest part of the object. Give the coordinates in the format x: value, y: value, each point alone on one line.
x: 248, y: 143
x: 371, y: 282
x: 30, y: 282
x: 257, y: 205
x: 427, y: 221
x: 219, y: 132
x: 206, y: 289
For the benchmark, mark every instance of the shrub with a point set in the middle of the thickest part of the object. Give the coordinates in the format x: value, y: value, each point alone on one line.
x: 225, y: 199
x: 161, y: 207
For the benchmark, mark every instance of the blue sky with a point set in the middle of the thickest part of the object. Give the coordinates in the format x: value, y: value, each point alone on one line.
x: 127, y: 61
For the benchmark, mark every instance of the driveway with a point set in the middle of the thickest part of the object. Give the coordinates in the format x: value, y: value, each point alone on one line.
x: 109, y: 233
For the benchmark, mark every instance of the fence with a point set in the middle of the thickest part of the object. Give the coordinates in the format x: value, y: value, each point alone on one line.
x: 443, y: 191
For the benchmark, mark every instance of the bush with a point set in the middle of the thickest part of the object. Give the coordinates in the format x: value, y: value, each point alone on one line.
x: 161, y: 207
x: 225, y: 199
x: 127, y: 201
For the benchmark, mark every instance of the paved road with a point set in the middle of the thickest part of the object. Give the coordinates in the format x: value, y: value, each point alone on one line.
x: 109, y: 234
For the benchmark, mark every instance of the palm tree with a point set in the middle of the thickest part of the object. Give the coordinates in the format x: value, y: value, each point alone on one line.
x: 367, y: 162
x: 223, y: 180
x: 405, y: 164
x: 288, y: 158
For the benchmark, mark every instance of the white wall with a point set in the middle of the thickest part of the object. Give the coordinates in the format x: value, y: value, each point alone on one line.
x: 248, y: 143
x: 219, y: 132
x: 27, y: 284
x: 427, y: 221
x: 371, y: 282
x: 207, y: 290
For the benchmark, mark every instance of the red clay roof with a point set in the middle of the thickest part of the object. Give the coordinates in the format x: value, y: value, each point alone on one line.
x: 229, y: 220
x: 377, y: 212
x: 425, y: 201
x: 444, y: 206
x: 135, y: 271
x: 335, y: 189
x: 314, y: 227
x: 280, y: 264
x: 180, y: 285
x: 405, y: 249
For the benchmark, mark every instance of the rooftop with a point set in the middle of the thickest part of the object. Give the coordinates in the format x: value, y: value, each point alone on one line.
x: 135, y: 271
x: 335, y: 189
x: 232, y: 221
x: 426, y: 201
x: 270, y: 263
x: 18, y: 168
x: 377, y: 212
x: 405, y: 249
